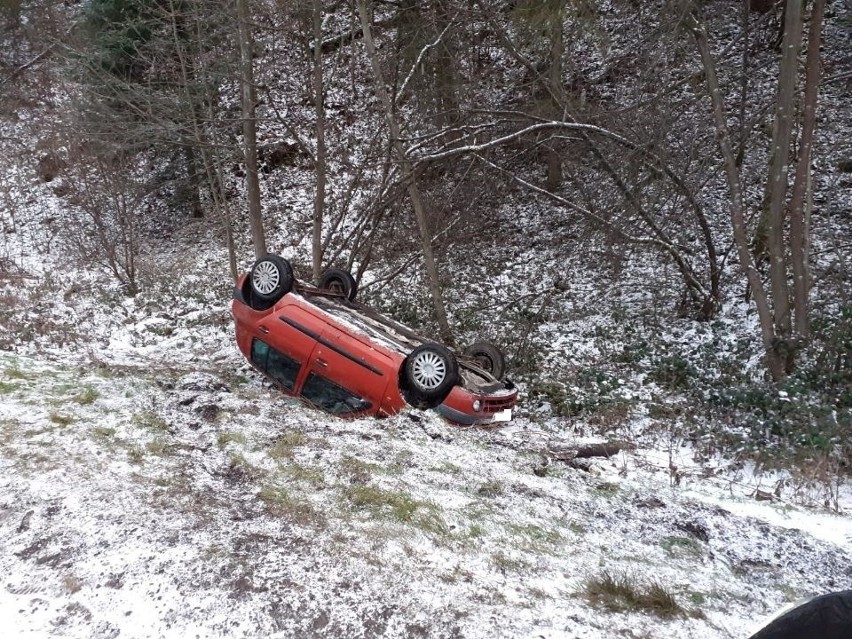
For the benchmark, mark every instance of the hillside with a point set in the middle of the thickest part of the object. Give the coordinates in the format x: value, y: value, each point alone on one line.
x: 153, y: 484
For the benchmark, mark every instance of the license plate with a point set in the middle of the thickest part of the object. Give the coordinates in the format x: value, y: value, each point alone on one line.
x: 502, y: 416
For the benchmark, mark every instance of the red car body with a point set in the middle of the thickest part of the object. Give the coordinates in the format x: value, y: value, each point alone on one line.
x: 347, y: 359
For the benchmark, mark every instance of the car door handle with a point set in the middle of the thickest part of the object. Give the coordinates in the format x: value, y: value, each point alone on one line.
x: 321, y: 362
x: 263, y: 330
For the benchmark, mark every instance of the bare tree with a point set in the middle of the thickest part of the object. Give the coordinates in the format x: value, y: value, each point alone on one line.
x: 103, y: 228
x: 248, y: 100
x: 321, y: 161
x: 787, y: 252
x: 408, y: 175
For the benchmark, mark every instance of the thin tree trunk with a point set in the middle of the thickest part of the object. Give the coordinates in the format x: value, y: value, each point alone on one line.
x: 212, y: 165
x: 408, y: 176
x: 248, y: 99
x: 775, y: 364
x: 195, y: 209
x: 554, y: 162
x: 798, y: 228
x: 321, y: 163
x: 778, y: 171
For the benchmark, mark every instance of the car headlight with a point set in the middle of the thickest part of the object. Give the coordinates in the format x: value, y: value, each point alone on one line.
x: 477, y: 405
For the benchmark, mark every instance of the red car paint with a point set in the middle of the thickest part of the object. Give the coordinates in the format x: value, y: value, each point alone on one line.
x: 355, y: 349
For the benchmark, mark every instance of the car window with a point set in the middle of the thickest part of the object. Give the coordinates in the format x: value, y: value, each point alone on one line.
x: 259, y: 351
x: 278, y: 366
x: 331, y: 397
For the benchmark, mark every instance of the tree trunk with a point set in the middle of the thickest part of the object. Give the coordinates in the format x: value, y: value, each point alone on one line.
x: 248, y: 99
x: 778, y: 172
x: 775, y: 364
x: 557, y: 95
x: 195, y: 209
x: 321, y: 162
x: 409, y: 177
x: 799, y: 232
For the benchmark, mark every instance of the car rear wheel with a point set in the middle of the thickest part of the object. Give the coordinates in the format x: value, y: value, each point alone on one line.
x: 270, y: 278
x: 428, y: 375
x: 339, y: 281
x: 488, y: 357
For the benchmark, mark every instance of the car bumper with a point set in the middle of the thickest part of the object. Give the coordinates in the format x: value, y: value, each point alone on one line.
x: 467, y: 419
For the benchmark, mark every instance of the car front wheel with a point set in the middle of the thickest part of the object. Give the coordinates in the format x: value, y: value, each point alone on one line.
x: 270, y: 278
x: 428, y: 375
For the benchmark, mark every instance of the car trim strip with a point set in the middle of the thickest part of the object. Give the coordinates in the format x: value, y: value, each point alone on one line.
x: 319, y: 338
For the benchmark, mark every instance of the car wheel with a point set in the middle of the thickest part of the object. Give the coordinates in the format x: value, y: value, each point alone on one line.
x: 428, y: 375
x: 488, y: 357
x: 339, y: 281
x: 270, y: 278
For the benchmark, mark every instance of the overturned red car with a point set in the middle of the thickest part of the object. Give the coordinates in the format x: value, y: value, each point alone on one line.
x: 319, y: 344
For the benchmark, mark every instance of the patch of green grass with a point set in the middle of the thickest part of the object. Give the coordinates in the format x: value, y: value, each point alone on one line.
x: 8, y: 387
x: 358, y: 467
x: 136, y: 455
x: 401, y: 506
x: 448, y: 468
x: 606, y: 489
x: 59, y: 418
x: 475, y: 531
x: 681, y: 546
x: 281, y: 503
x: 157, y: 446
x: 8, y: 432
x: 13, y: 372
x: 285, y: 445
x: 150, y: 420
x: 300, y: 473
x: 87, y: 396
x: 623, y: 592
x: 534, y: 538
x: 226, y: 437
x: 398, y: 506
x: 103, y: 432
x: 504, y: 563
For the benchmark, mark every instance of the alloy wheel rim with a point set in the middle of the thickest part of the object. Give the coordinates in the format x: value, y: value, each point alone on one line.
x: 428, y: 370
x: 265, y: 278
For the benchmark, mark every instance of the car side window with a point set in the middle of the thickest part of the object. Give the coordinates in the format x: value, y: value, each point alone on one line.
x: 331, y: 397
x: 278, y: 366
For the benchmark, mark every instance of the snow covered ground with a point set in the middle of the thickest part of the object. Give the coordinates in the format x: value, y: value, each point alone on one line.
x: 153, y: 486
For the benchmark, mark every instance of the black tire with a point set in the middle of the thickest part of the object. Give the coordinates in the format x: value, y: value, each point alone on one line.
x: 341, y: 282
x: 270, y: 279
x: 428, y: 375
x: 488, y: 357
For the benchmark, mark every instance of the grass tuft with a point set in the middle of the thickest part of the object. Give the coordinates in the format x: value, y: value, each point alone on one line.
x: 150, y: 421
x: 8, y: 387
x: 226, y: 437
x: 622, y: 592
x: 490, y: 488
x: 59, y: 418
x: 280, y: 503
x: 400, y: 507
x: 87, y: 396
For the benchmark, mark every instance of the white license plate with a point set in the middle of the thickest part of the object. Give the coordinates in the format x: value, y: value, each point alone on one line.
x: 502, y: 416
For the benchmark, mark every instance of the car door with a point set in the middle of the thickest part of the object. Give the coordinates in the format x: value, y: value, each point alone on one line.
x: 349, y: 364
x: 292, y: 335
